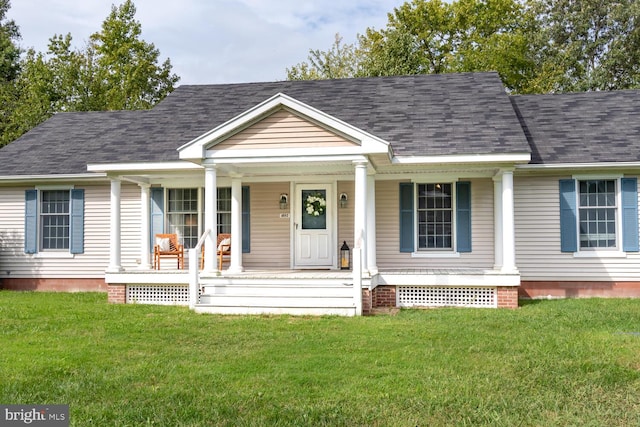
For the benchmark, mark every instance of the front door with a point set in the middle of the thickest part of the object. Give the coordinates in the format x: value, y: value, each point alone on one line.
x: 313, y: 226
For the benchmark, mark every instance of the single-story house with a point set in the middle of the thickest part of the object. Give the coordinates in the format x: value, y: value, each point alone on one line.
x: 339, y: 196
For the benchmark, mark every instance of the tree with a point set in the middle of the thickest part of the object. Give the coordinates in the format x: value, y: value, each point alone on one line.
x: 339, y: 61
x: 116, y: 70
x: 126, y: 66
x: 9, y: 50
x: 424, y: 37
x: 588, y: 44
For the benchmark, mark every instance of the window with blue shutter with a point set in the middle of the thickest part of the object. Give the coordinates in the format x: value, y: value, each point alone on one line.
x: 54, y: 221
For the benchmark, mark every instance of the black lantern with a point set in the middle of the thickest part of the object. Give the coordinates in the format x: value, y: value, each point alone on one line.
x: 345, y: 256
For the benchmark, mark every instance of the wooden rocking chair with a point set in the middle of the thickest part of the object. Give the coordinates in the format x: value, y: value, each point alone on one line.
x: 223, y: 250
x: 166, y: 245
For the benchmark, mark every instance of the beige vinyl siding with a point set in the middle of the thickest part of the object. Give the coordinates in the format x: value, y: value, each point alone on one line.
x: 345, y: 215
x: 538, y: 255
x: 282, y: 129
x: 92, y: 263
x: 270, y: 234
x: 388, y: 226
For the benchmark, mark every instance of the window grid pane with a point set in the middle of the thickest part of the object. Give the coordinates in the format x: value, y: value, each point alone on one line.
x: 435, y: 214
x: 597, y: 214
x: 224, y: 210
x: 54, y: 219
x: 183, y: 215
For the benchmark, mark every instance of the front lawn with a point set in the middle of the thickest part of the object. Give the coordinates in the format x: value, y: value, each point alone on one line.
x: 570, y: 362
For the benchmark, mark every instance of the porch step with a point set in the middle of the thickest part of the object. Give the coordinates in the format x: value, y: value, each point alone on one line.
x: 330, y: 298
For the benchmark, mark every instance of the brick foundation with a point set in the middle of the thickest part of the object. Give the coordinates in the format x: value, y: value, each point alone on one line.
x: 578, y: 289
x: 117, y: 294
x: 366, y: 301
x: 54, y: 285
x: 507, y: 297
x: 384, y: 296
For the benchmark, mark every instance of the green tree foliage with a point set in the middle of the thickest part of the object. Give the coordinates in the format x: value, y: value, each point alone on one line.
x: 9, y: 50
x: 116, y: 70
x: 537, y: 46
x: 338, y: 62
x: 587, y: 45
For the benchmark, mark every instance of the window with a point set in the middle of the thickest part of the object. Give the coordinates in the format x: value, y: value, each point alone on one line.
x: 54, y: 221
x: 597, y: 209
x: 435, y: 216
x: 599, y: 215
x: 177, y: 210
x: 430, y: 219
x: 224, y: 210
x: 183, y: 215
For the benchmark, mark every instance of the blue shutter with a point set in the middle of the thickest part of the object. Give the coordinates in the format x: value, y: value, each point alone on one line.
x: 629, y: 214
x: 76, y: 243
x: 157, y: 213
x: 246, y: 221
x: 568, y: 215
x: 406, y: 217
x: 463, y: 216
x: 30, y: 221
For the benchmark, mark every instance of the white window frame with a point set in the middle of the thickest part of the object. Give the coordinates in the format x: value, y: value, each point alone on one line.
x: 51, y: 253
x: 451, y: 252
x: 612, y: 252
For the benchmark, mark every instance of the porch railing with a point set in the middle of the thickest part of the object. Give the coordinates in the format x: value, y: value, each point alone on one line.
x: 194, y: 267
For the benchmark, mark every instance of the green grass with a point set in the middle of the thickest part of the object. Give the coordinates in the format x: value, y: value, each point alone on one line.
x: 569, y: 362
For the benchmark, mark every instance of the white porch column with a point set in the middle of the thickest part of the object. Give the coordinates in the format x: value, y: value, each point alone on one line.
x: 372, y: 261
x: 508, y: 224
x: 360, y: 212
x: 115, y: 250
x: 236, y: 226
x: 497, y: 221
x: 145, y: 250
x: 210, y: 218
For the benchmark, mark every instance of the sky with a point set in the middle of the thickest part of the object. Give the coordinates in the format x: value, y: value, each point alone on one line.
x: 213, y: 41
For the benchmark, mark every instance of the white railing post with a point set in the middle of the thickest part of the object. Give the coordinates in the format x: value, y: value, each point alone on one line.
x: 193, y: 277
x: 357, y: 280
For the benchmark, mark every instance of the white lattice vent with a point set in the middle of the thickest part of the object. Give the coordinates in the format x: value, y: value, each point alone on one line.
x: 445, y: 296
x: 158, y: 294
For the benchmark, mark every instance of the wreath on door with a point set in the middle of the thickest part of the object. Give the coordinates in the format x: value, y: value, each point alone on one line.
x: 315, y: 204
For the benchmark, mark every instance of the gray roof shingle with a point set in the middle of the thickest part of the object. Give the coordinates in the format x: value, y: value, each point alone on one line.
x: 467, y: 113
x: 590, y: 127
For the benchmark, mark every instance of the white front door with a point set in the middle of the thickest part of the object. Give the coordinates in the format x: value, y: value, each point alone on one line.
x: 313, y: 226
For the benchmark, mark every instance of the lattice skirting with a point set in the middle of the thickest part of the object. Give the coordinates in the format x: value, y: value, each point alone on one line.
x: 445, y: 296
x: 158, y: 294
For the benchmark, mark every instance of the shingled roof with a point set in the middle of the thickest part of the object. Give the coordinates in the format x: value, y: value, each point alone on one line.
x: 426, y: 115
x: 590, y: 127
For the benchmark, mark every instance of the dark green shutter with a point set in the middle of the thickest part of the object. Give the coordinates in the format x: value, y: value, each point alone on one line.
x: 30, y: 221
x: 76, y: 243
x: 629, y: 214
x: 246, y: 221
x: 568, y: 216
x: 157, y: 214
x: 406, y: 217
x: 463, y: 216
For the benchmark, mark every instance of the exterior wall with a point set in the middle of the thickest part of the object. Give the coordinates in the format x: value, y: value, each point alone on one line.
x: 345, y: 216
x: 117, y: 294
x: 578, y: 289
x: 388, y: 240
x: 26, y: 271
x: 270, y: 234
x: 282, y: 130
x: 538, y: 255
